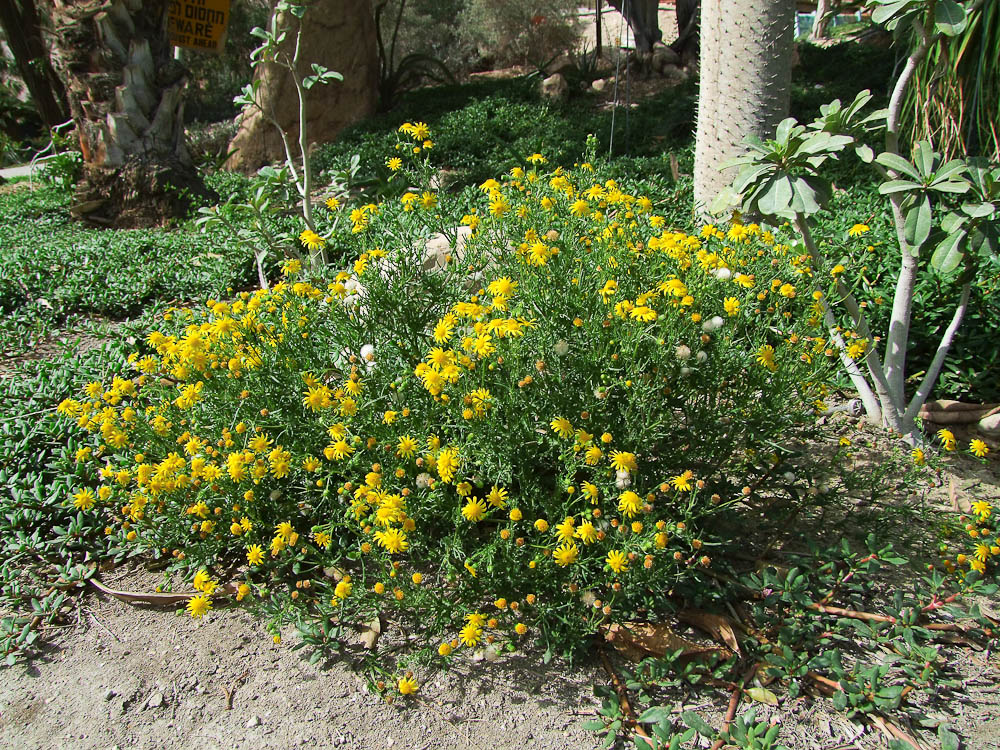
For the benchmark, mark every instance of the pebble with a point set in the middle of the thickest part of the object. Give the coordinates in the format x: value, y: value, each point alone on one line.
x: 155, y: 700
x: 109, y: 694
x: 253, y: 721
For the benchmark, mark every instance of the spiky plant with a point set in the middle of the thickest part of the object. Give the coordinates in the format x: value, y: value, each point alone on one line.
x: 955, y: 98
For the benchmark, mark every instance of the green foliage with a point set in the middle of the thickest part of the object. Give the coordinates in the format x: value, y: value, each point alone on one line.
x: 483, y: 128
x: 397, y: 76
x: 53, y: 270
x: 954, y: 99
x: 466, y: 430
x: 47, y: 547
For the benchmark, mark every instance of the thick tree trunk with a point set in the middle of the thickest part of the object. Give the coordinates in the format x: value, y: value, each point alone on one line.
x: 823, y: 9
x: 125, y: 93
x: 688, y: 14
x: 642, y: 19
x: 339, y: 34
x: 22, y: 27
x: 745, y: 78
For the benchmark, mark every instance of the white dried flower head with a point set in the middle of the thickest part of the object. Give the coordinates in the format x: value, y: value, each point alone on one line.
x: 682, y: 352
x: 560, y: 347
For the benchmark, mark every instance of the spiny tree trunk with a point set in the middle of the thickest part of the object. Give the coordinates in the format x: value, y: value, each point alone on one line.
x: 746, y: 50
x: 23, y: 29
x: 125, y: 93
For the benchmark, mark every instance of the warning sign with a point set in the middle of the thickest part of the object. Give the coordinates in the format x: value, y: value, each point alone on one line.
x: 198, y: 24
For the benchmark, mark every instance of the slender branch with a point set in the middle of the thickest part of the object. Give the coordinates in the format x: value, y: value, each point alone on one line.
x: 927, y: 384
x: 868, y: 398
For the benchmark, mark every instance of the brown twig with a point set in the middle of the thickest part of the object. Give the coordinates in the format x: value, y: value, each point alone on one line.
x: 852, y: 613
x: 623, y: 696
x: 231, y: 690
x: 894, y: 732
x: 734, y: 702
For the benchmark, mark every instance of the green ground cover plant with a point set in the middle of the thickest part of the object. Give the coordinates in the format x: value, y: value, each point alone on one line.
x: 53, y: 271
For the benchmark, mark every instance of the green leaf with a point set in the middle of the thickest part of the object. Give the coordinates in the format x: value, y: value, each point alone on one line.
x: 784, y: 129
x: 655, y: 715
x: 898, y: 186
x: 865, y: 153
x: 593, y: 725
x: 762, y: 695
x: 978, y: 210
x: 775, y: 195
x: 949, y: 17
x: 897, y: 163
x: 641, y: 744
x: 885, y: 12
x: 948, y: 254
x: 918, y: 222
x: 947, y: 738
x: 697, y: 723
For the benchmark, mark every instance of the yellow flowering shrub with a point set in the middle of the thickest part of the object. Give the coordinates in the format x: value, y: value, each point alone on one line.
x: 552, y: 425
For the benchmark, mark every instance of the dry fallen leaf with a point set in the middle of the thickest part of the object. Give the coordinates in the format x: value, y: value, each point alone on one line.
x: 636, y: 641
x: 371, y: 632
x: 719, y: 627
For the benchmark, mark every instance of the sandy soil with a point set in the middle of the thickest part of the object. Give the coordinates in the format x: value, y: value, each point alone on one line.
x: 126, y: 676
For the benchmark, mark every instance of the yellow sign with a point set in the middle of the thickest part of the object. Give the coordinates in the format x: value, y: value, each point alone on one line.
x: 198, y: 24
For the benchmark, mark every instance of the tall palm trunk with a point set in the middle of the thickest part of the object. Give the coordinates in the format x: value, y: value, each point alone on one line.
x: 746, y: 48
x: 23, y: 29
x: 125, y: 93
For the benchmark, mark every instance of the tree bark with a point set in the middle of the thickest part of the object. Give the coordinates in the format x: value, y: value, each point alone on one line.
x: 688, y: 14
x: 746, y: 54
x: 643, y: 20
x: 22, y: 27
x: 126, y: 96
x: 339, y: 34
x: 823, y: 9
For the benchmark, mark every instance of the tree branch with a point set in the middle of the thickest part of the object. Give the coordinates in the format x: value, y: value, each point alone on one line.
x: 927, y: 384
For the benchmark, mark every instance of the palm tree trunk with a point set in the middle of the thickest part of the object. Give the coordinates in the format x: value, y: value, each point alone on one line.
x: 23, y: 30
x: 125, y: 93
x: 746, y: 48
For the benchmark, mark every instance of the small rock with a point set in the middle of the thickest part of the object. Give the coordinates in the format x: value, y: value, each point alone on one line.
x: 253, y: 721
x: 990, y: 425
x: 555, y: 87
x: 599, y: 85
x: 109, y: 694
x: 390, y: 742
x: 155, y: 700
x: 664, y: 56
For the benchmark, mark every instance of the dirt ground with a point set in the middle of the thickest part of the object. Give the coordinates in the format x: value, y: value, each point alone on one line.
x: 127, y: 676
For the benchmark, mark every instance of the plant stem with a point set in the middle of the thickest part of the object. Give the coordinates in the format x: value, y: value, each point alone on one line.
x: 865, y: 393
x: 927, y: 384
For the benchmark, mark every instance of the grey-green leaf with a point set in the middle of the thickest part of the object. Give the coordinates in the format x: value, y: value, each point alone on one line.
x: 655, y: 715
